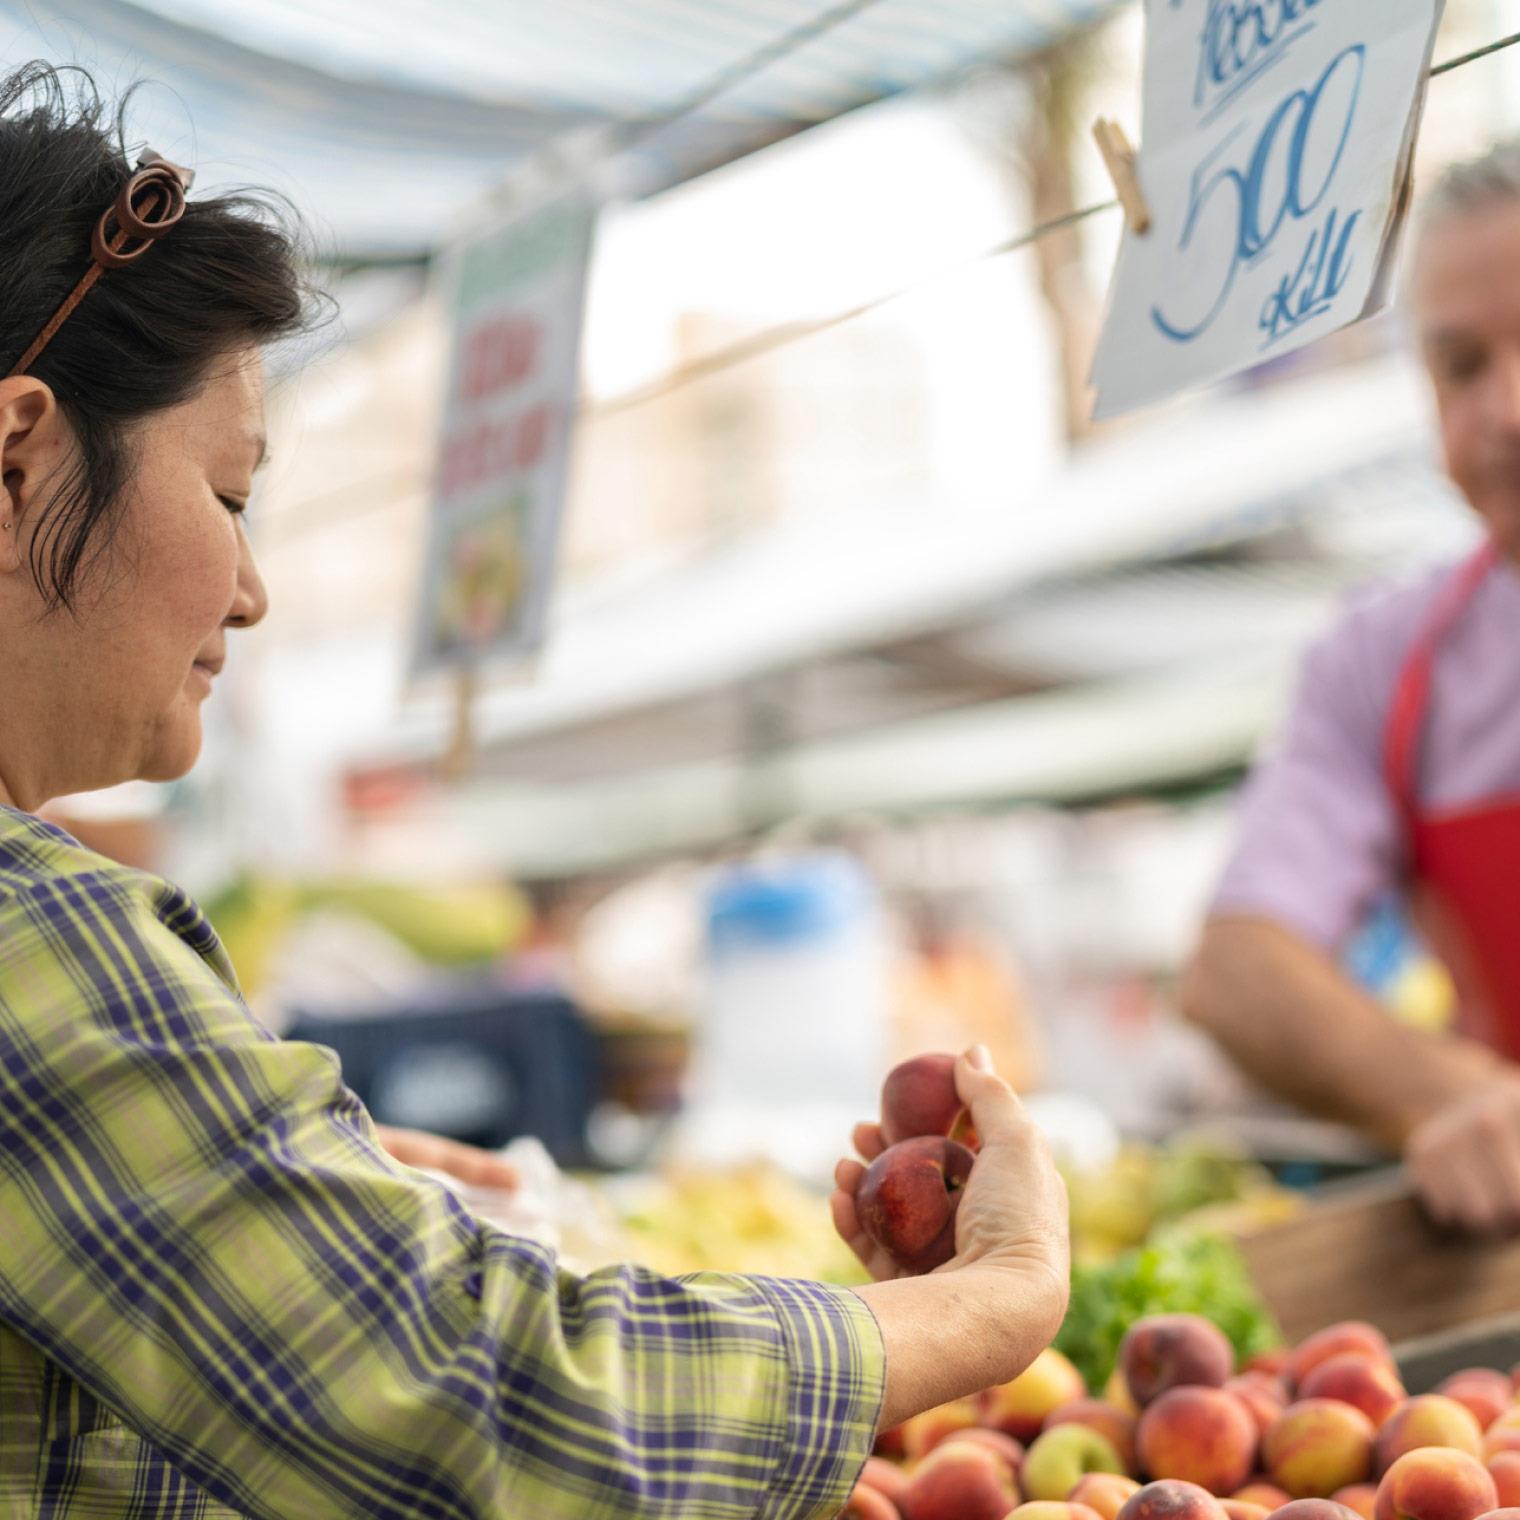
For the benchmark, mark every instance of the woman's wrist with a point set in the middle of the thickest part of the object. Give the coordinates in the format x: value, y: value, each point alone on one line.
x: 956, y: 1332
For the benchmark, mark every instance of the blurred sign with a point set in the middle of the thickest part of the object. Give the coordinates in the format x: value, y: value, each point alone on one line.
x: 517, y: 293
x: 1275, y: 163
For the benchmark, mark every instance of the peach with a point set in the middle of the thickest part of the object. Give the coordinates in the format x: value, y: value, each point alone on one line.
x: 1238, y: 1509
x: 1432, y: 1419
x: 909, y: 1196
x: 1504, y: 1469
x: 925, y: 1431
x: 1168, y: 1351
x: 867, y: 1503
x: 1318, y: 1446
x: 960, y: 1481
x: 1272, y: 1362
x: 889, y: 1443
x: 1020, y: 1408
x: 1315, y: 1509
x: 1053, y: 1509
x: 1062, y: 1457
x: 919, y: 1098
x: 1503, y: 1434
x: 1484, y: 1393
x: 1348, y: 1337
x: 995, y: 1440
x: 1268, y: 1495
x: 885, y: 1477
x: 1198, y: 1435
x: 1362, y: 1497
x: 1116, y: 1392
x: 1264, y: 1397
x: 1113, y: 1424
x: 1436, y: 1483
x: 1105, y: 1492
x: 1172, y: 1499
x: 1371, y: 1385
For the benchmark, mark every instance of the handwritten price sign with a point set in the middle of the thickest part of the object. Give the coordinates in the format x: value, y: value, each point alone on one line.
x: 1277, y: 140
x: 503, y: 448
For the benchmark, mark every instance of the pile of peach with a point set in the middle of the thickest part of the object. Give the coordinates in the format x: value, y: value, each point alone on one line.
x: 1324, y: 1432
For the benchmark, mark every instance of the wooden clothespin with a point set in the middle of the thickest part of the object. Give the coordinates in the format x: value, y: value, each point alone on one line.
x: 1121, y: 157
x: 459, y: 758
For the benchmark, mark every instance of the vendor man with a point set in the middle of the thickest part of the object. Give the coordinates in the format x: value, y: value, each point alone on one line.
x: 1400, y: 768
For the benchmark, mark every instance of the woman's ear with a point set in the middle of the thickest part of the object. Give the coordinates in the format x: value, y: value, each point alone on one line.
x: 32, y: 444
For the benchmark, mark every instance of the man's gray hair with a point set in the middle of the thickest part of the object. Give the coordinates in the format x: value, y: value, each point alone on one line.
x: 1474, y: 185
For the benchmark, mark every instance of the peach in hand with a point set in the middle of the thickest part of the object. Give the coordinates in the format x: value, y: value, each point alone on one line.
x: 1198, y: 1435
x: 1318, y: 1446
x: 1167, y: 1351
x: 908, y: 1199
x: 1431, y: 1419
x: 1062, y: 1457
x: 1370, y: 1384
x: 919, y: 1098
x: 1020, y: 1408
x: 960, y: 1481
x: 1105, y: 1492
x: 1352, y: 1336
x: 1436, y: 1483
x: 1112, y: 1423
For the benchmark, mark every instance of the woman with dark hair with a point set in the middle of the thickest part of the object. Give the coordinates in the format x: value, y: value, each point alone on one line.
x: 219, y: 1294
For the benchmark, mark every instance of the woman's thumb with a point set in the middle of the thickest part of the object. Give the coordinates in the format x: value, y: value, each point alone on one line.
x: 995, y: 1108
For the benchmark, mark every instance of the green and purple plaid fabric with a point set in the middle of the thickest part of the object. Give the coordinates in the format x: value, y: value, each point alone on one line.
x: 219, y: 1296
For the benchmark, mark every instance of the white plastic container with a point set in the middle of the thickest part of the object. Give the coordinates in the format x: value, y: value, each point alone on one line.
x: 791, y: 1042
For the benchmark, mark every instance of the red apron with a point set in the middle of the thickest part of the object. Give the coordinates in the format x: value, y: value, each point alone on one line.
x: 1465, y: 862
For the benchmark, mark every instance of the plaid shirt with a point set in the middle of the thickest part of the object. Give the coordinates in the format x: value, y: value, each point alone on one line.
x: 219, y: 1297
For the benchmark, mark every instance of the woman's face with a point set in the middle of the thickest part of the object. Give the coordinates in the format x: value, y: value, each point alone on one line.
x: 114, y: 692
x: 1467, y: 305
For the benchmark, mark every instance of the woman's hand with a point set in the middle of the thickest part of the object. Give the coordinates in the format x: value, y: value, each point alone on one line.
x: 987, y: 1313
x: 1013, y: 1212
x: 465, y: 1163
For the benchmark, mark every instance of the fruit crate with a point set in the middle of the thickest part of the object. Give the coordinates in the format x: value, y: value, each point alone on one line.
x: 1366, y: 1250
x: 1430, y: 1360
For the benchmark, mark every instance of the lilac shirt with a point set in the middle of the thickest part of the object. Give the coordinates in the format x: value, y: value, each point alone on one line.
x: 1319, y: 836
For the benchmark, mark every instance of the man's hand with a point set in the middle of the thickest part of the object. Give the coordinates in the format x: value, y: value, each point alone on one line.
x: 465, y: 1163
x: 1465, y: 1160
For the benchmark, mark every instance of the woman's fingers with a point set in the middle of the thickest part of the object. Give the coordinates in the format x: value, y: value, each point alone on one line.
x: 465, y: 1163
x: 866, y: 1139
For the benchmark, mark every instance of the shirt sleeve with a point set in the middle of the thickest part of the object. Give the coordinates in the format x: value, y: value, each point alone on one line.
x: 1319, y: 837
x: 202, y: 1231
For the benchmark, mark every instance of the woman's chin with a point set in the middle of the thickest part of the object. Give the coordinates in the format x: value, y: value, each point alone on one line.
x: 176, y: 749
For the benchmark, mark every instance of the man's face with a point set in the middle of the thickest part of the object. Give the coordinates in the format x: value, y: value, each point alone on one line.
x: 1467, y: 307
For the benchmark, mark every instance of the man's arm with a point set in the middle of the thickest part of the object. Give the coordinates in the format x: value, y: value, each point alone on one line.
x: 1287, y: 1013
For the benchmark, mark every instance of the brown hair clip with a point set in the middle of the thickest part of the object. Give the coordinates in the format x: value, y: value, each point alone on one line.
x: 150, y: 203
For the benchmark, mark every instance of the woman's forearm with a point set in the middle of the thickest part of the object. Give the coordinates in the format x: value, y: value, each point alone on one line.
x: 954, y: 1333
